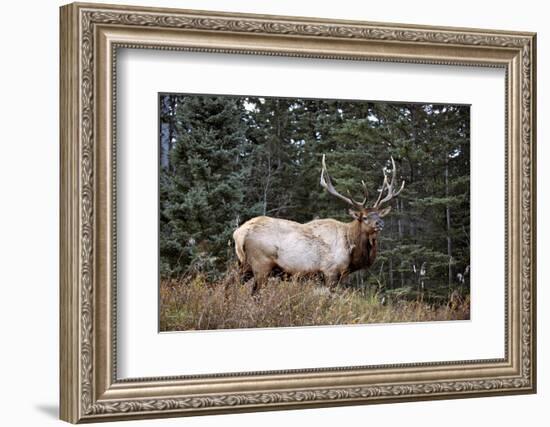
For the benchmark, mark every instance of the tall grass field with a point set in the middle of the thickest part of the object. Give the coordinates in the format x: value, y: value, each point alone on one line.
x: 196, y: 303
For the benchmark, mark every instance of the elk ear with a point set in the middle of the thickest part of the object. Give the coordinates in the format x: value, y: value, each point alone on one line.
x: 354, y: 214
x: 384, y: 212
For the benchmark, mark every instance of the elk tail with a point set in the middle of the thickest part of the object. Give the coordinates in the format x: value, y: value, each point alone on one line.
x: 239, y: 236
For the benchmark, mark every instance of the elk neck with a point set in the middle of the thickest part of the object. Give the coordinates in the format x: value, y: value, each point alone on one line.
x: 363, y: 247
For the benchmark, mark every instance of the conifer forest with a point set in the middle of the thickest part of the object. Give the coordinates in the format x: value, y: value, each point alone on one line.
x: 225, y: 159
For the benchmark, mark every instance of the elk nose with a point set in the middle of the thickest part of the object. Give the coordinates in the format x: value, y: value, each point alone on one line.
x: 379, y: 224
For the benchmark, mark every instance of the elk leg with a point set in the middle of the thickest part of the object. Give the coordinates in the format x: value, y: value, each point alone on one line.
x: 246, y: 273
x: 331, y: 280
x: 261, y: 270
x: 259, y: 280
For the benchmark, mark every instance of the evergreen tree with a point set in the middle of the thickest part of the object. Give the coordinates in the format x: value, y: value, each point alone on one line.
x: 202, y: 193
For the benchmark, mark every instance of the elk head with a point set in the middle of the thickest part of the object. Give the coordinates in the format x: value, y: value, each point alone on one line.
x: 369, y: 218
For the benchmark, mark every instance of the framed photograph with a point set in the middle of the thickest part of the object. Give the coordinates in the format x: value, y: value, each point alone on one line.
x: 267, y: 212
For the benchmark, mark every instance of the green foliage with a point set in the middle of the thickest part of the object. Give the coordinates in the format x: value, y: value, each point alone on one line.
x: 201, y: 190
x: 226, y: 159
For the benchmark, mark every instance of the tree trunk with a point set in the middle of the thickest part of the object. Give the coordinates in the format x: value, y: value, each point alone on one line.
x: 448, y: 217
x: 267, y: 185
x: 172, y: 129
x: 164, y: 146
x: 400, y: 231
x: 391, y: 272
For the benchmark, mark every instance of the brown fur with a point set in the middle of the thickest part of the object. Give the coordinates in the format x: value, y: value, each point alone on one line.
x: 363, y: 253
x: 363, y: 237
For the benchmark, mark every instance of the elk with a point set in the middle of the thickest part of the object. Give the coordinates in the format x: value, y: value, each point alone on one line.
x: 325, y: 246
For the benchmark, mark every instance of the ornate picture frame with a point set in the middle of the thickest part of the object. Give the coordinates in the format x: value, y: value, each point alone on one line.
x: 90, y: 37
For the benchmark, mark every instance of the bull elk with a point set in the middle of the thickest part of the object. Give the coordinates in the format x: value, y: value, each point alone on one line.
x: 325, y: 246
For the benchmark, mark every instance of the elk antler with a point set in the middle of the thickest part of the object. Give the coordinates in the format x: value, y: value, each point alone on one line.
x: 389, y: 187
x: 326, y: 183
x: 365, y: 194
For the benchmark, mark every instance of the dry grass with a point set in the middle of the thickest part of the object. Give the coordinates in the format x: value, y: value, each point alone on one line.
x: 196, y: 304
